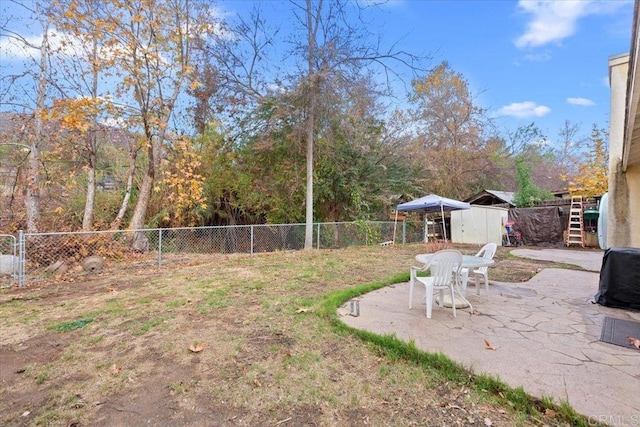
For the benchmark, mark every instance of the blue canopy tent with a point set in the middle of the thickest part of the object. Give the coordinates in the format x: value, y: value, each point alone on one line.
x: 429, y: 204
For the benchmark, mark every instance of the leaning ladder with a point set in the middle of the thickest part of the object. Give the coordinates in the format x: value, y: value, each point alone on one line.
x: 575, y: 233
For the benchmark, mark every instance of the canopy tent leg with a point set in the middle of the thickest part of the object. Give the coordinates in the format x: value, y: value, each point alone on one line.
x: 444, y: 226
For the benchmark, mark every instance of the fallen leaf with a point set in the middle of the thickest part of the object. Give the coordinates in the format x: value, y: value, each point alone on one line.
x: 115, y: 369
x: 489, y: 345
x: 302, y: 310
x: 634, y: 342
x: 550, y: 413
x: 488, y: 422
x: 196, y: 348
x: 26, y: 413
x: 256, y: 383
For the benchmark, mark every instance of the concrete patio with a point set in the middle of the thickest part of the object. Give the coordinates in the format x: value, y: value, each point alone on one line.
x: 545, y: 332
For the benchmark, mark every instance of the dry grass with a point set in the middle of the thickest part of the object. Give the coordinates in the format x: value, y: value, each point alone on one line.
x: 114, y: 349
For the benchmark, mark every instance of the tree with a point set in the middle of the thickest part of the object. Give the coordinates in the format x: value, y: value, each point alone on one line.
x: 525, y: 138
x: 273, y: 154
x: 229, y: 185
x: 451, y: 129
x: 78, y: 142
x: 235, y: 75
x: 41, y: 79
x: 528, y: 193
x: 530, y: 145
x: 592, y: 177
x: 570, y: 145
x: 183, y: 185
x: 152, y: 44
x: 359, y: 164
x: 83, y: 70
x: 15, y: 155
x: 334, y: 50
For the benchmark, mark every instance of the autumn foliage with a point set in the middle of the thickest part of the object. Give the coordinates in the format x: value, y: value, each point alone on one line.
x: 592, y: 178
x: 165, y: 113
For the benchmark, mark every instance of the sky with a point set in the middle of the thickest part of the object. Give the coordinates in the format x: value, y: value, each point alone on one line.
x: 525, y: 61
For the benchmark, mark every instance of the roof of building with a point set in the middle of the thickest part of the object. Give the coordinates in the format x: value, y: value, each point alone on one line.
x: 491, y: 197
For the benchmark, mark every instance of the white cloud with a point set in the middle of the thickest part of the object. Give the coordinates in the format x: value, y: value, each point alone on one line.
x: 554, y: 21
x: 522, y: 110
x: 29, y: 46
x: 11, y: 48
x: 276, y: 88
x: 114, y: 122
x: 580, y: 101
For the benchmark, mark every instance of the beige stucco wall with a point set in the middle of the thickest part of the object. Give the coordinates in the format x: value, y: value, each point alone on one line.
x: 618, y: 226
x: 623, y: 225
x: 633, y: 182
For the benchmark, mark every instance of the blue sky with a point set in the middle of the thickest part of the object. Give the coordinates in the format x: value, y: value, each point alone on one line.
x: 527, y: 61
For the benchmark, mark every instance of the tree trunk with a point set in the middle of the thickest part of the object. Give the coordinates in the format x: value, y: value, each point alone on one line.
x: 308, y: 230
x: 133, y: 155
x: 92, y: 147
x: 32, y: 199
x: 144, y: 195
x: 311, y: 40
x: 87, y: 219
x: 140, y: 242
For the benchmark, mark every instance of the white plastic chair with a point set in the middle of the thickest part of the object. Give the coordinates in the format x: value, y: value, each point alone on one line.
x: 444, y: 267
x: 487, y: 251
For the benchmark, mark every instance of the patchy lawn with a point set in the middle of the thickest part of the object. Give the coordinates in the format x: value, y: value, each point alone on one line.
x: 224, y: 340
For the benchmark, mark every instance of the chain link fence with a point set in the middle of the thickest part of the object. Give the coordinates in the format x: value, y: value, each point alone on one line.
x: 40, y: 256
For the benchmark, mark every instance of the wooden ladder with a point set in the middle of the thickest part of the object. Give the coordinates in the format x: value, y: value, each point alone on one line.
x: 575, y: 228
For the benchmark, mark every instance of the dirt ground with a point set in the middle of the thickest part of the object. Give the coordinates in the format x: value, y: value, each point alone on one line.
x: 222, y: 341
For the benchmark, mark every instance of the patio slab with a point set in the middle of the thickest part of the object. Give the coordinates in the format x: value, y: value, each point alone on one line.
x: 589, y: 260
x: 546, y: 334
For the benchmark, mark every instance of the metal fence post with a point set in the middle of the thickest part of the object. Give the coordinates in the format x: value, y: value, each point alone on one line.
x: 251, y: 243
x: 21, y: 258
x: 159, y: 247
x: 404, y: 232
x: 318, y: 237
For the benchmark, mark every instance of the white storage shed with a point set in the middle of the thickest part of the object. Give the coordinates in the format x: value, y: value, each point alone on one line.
x: 479, y: 225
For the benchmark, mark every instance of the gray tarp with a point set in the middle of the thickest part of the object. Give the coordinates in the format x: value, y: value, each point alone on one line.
x: 538, y: 226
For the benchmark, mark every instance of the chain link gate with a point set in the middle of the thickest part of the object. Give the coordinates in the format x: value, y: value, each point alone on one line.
x: 9, y: 261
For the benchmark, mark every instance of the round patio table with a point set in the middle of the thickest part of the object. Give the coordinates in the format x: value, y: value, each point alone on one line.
x: 468, y: 261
